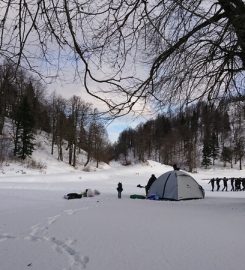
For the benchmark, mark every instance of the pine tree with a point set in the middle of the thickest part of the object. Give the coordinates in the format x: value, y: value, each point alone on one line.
x: 24, y: 137
x: 206, y: 151
x: 226, y: 155
x: 214, y: 145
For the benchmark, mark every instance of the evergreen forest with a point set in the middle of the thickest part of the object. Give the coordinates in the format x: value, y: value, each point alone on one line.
x: 201, y: 135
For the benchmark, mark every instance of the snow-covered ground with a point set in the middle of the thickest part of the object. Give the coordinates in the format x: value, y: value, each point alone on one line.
x: 41, y: 230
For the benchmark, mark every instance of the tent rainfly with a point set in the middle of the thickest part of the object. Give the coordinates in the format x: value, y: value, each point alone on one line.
x: 176, y: 185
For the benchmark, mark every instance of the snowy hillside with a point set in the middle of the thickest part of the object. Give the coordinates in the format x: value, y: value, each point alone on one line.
x: 41, y: 161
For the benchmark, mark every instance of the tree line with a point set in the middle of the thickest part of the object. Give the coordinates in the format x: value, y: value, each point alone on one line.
x: 199, y: 136
x: 73, y: 125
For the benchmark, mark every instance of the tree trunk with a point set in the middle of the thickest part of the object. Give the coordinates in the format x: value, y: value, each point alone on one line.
x: 53, y: 137
x: 60, y: 151
x: 16, y: 138
x: 70, y: 147
x: 1, y: 124
x: 74, y: 155
x: 97, y: 162
x: 88, y: 159
x: 235, y: 12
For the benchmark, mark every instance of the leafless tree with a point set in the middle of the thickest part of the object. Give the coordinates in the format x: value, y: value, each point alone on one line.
x: 58, y: 124
x: 6, y: 91
x: 147, y: 51
x: 84, y: 119
x: 96, y: 140
x: 76, y: 131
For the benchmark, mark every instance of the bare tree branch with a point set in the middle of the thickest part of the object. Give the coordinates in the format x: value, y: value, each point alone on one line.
x: 131, y: 52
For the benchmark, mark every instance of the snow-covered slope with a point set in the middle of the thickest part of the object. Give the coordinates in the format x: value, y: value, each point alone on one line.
x: 42, y: 162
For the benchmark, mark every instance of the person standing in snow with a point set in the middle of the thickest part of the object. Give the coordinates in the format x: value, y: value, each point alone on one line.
x: 175, y: 167
x: 232, y: 184
x: 212, y: 183
x: 225, y: 180
x: 119, y: 190
x: 243, y: 184
x: 150, y: 182
x: 218, y: 184
x: 237, y: 184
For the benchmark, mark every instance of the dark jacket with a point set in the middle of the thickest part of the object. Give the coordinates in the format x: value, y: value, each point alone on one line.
x: 119, y: 187
x: 150, y: 182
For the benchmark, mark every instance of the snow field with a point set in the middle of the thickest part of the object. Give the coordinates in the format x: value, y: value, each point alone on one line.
x: 41, y: 230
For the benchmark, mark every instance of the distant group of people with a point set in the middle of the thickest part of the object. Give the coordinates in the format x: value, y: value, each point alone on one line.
x: 237, y: 184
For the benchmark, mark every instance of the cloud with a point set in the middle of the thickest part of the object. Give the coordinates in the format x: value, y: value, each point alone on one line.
x: 67, y: 89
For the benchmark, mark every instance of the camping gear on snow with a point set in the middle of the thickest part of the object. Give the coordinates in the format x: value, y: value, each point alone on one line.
x: 153, y: 197
x: 96, y: 192
x: 71, y: 196
x: 136, y: 196
x: 90, y: 193
x: 176, y: 185
x: 87, y: 193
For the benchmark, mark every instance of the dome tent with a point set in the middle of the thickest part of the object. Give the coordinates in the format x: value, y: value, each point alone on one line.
x: 176, y: 185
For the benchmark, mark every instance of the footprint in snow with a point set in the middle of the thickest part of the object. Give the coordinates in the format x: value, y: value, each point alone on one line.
x: 6, y: 236
x: 65, y: 248
x: 52, y: 220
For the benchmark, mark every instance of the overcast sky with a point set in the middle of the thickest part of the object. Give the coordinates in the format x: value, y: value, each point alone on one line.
x: 62, y: 65
x: 67, y: 89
